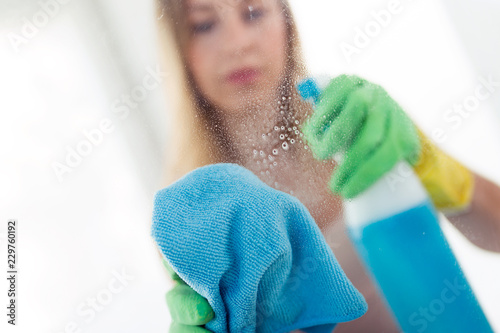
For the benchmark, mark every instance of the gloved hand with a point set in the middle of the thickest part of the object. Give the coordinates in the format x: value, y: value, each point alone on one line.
x: 188, y: 309
x: 360, y: 120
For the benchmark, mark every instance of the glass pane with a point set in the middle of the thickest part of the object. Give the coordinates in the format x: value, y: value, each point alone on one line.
x: 106, y: 103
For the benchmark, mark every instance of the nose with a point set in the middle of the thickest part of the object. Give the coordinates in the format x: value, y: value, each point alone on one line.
x: 239, y: 37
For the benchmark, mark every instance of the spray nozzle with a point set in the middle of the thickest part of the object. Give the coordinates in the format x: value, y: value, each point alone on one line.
x: 309, y: 90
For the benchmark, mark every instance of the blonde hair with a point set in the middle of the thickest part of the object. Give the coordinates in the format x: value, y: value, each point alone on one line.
x: 196, y: 138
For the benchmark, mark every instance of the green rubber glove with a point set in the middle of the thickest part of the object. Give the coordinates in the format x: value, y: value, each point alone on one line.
x: 188, y: 309
x: 360, y: 120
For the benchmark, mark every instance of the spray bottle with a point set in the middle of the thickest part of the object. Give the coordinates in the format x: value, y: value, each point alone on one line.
x: 396, y: 233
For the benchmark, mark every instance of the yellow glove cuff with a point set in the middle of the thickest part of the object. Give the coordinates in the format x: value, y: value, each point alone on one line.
x: 449, y: 183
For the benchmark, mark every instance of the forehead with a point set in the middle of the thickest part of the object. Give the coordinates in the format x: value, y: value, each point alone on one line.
x: 195, y: 5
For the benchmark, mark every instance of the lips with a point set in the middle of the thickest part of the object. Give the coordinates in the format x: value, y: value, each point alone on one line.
x: 243, y: 76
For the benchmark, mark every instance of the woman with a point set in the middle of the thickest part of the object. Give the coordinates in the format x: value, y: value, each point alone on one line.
x: 233, y: 66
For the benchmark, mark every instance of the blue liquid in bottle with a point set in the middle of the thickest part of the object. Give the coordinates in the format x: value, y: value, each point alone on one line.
x: 397, y: 235
x: 413, y: 265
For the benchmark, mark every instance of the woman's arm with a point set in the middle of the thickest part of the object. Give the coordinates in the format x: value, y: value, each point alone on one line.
x: 480, y: 223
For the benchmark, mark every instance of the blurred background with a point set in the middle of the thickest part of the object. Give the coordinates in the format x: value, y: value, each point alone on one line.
x: 86, y: 260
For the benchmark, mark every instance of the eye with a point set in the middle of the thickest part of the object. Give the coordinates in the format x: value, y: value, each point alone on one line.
x: 203, y: 27
x: 253, y: 13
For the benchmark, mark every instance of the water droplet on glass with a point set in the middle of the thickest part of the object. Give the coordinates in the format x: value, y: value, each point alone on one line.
x: 292, y: 141
x: 261, y: 153
x: 297, y: 122
x: 276, y: 128
x: 285, y: 145
x: 275, y: 152
x: 282, y: 128
x: 297, y: 132
x: 275, y: 163
x: 282, y: 136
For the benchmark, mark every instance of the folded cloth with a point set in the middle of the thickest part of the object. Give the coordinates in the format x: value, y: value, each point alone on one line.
x: 255, y: 253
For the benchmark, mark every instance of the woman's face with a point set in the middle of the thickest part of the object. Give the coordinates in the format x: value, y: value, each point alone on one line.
x: 237, y: 50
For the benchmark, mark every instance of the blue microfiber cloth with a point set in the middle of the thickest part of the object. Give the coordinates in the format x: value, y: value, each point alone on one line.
x: 255, y: 253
